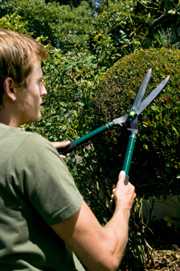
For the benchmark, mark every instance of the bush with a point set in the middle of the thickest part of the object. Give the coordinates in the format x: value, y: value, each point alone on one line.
x: 72, y: 74
x: 156, y: 162
x: 107, y: 36
x: 69, y: 82
x: 13, y: 22
x: 156, y: 23
x: 62, y: 26
x: 113, y: 35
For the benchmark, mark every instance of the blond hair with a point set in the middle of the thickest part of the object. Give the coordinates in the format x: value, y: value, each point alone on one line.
x: 16, y: 54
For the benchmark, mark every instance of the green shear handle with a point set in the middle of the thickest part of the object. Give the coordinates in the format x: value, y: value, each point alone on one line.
x: 86, y: 137
x: 129, y: 151
x: 75, y: 143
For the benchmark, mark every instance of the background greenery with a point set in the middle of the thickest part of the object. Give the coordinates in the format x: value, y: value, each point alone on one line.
x: 97, y: 59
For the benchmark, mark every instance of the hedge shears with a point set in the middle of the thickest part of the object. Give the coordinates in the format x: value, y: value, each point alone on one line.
x: 130, y: 119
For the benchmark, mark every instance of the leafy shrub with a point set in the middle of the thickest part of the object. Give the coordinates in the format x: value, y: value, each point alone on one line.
x: 69, y: 82
x: 113, y: 32
x: 156, y: 162
x: 87, y: 45
x: 156, y: 23
x: 13, y: 22
x: 107, y: 36
x: 62, y: 26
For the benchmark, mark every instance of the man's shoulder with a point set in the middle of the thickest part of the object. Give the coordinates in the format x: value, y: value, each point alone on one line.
x: 34, y: 152
x: 24, y: 142
x: 16, y: 140
x: 33, y: 138
x: 34, y: 142
x: 20, y: 135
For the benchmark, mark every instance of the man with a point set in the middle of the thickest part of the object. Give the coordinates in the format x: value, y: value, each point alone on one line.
x: 43, y: 217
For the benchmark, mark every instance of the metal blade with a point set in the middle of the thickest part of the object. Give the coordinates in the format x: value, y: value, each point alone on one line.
x: 141, y: 90
x: 152, y: 95
x: 120, y: 121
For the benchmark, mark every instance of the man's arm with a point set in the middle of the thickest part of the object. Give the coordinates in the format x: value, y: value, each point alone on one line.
x: 100, y: 248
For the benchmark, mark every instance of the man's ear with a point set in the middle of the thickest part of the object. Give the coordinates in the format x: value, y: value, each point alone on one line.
x: 10, y: 89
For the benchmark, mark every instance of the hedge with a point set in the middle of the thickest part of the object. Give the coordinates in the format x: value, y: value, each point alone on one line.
x: 156, y: 158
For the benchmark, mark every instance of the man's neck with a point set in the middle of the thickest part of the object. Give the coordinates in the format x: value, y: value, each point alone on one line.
x: 8, y: 119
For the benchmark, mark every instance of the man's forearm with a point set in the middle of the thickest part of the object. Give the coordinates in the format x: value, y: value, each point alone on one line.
x: 117, y: 228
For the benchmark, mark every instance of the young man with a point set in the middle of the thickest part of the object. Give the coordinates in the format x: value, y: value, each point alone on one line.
x: 43, y: 217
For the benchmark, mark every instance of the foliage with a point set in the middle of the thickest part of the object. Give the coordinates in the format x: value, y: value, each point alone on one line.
x: 63, y: 27
x: 120, y: 27
x: 72, y: 3
x: 155, y: 166
x: 107, y: 36
x: 13, y: 22
x: 113, y: 33
x: 69, y: 82
x: 156, y: 161
x: 157, y: 23
x: 82, y: 47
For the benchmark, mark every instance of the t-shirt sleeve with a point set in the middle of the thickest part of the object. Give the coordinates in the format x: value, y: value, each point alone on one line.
x: 45, y: 180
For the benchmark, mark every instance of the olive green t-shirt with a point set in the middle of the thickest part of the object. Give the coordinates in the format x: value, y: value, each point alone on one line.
x: 36, y: 190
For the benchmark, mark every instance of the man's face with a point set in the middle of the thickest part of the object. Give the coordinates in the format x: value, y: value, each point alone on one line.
x: 30, y: 98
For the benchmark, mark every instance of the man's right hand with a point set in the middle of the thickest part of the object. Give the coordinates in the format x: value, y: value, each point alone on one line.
x: 124, y: 192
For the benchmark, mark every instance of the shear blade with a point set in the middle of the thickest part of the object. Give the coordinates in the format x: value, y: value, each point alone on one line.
x: 141, y: 91
x: 152, y: 95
